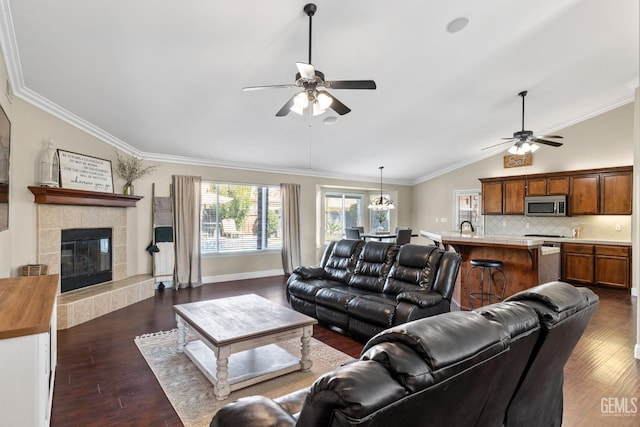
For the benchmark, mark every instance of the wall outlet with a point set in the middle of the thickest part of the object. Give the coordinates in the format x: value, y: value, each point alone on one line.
x: 504, y: 224
x: 436, y: 219
x: 443, y: 219
x: 618, y: 227
x: 526, y: 225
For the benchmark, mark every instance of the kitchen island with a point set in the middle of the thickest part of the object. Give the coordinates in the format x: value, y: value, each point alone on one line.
x: 527, y: 262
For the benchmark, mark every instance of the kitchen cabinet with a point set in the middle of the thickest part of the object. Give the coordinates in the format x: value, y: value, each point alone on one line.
x: 615, y: 193
x: 577, y: 263
x: 548, y: 186
x: 605, y: 191
x: 27, y: 349
x: 492, y: 198
x: 583, y: 199
x: 589, y: 264
x: 513, y: 195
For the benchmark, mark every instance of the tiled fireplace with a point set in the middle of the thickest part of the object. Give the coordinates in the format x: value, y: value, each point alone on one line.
x: 81, y: 305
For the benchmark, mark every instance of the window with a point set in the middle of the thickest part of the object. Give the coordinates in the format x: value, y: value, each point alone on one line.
x: 342, y: 210
x: 380, y: 220
x: 466, y: 207
x: 236, y: 217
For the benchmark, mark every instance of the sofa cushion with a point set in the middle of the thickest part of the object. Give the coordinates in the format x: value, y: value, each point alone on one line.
x: 342, y: 261
x: 378, y: 309
x: 307, y: 289
x: 373, y: 266
x: 405, y: 365
x: 356, y: 390
x: 338, y: 297
x: 416, y: 268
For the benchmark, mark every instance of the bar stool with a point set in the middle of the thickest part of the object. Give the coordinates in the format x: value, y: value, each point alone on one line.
x: 489, y: 267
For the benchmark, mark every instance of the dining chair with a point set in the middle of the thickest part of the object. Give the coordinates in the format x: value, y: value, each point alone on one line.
x: 403, y: 236
x: 352, y: 233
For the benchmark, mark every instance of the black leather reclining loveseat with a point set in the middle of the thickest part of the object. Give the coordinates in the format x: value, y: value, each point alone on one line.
x: 364, y: 288
x: 501, y: 365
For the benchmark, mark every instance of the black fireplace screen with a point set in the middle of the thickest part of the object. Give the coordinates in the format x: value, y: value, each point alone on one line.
x: 85, y: 257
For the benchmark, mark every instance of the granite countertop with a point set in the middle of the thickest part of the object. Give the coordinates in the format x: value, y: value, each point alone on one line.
x: 525, y: 242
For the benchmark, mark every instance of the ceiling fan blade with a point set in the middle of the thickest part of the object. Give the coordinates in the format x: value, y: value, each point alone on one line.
x: 307, y: 71
x: 510, y: 139
x: 551, y: 136
x: 336, y: 105
x: 551, y: 143
x: 350, y: 84
x: 496, y: 145
x: 285, y: 86
x: 286, y: 108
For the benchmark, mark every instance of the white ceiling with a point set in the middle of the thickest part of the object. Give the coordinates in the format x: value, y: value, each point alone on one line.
x: 163, y: 79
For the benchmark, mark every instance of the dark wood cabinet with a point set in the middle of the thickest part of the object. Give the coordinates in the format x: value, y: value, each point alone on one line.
x: 605, y: 191
x: 613, y: 266
x: 584, y: 199
x: 492, y: 198
x: 577, y: 263
x: 587, y: 264
x: 548, y: 186
x: 615, y: 193
x: 513, y: 194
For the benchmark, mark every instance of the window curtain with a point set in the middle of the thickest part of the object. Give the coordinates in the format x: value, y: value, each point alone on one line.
x: 186, y: 209
x: 290, y: 199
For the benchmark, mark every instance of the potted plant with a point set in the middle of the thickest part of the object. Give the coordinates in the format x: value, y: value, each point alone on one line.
x: 381, y: 216
x: 130, y: 169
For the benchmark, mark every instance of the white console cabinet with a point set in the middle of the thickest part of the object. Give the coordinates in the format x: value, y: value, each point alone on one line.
x: 27, y: 349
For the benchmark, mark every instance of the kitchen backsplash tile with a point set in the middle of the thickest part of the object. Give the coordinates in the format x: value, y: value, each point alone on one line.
x: 590, y: 227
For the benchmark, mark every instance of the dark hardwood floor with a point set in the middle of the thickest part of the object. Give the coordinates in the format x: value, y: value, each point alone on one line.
x: 102, y: 380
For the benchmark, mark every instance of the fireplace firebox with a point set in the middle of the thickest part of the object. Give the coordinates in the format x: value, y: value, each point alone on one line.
x: 85, y: 257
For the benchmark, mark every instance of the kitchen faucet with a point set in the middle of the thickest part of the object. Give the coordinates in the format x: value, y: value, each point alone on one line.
x: 470, y: 225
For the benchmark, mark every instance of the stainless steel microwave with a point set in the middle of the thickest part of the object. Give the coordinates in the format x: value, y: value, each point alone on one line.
x: 545, y: 206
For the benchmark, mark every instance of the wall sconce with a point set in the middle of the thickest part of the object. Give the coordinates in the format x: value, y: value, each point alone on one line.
x: 49, y: 166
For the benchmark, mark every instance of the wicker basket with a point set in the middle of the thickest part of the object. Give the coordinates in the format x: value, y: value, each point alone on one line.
x: 34, y: 270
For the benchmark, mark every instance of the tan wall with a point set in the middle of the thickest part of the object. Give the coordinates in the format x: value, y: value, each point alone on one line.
x: 604, y: 140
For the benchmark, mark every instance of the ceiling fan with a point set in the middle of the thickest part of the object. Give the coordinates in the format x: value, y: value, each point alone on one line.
x: 313, y: 83
x: 524, y: 140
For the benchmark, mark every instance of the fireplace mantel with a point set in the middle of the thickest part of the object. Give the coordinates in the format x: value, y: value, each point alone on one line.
x: 66, y: 196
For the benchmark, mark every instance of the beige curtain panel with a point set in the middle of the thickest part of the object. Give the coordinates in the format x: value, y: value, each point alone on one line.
x: 290, y: 199
x: 187, y: 231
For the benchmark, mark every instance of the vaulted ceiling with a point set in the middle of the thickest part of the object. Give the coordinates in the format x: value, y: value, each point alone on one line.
x: 163, y: 79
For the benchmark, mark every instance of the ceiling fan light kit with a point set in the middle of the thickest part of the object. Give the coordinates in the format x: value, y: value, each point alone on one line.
x: 524, y: 141
x: 310, y: 80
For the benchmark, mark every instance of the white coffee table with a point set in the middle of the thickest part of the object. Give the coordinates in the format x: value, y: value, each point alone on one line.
x: 237, y: 336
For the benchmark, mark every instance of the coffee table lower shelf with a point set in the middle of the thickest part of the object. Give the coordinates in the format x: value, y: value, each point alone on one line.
x: 247, y: 367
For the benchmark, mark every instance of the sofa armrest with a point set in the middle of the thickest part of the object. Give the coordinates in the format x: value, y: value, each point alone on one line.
x: 309, y: 272
x: 423, y: 299
x: 254, y: 411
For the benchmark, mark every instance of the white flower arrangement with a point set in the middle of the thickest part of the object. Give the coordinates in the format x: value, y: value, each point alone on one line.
x: 131, y: 168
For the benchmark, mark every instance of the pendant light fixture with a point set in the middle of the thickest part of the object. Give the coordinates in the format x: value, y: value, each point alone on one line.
x: 381, y: 203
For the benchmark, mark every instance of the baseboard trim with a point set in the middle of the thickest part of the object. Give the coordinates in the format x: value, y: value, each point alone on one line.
x: 242, y: 276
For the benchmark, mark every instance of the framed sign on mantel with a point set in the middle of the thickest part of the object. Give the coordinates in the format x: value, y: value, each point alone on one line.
x: 82, y: 172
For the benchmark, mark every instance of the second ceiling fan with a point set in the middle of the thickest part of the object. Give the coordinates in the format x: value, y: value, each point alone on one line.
x: 313, y: 84
x: 524, y: 140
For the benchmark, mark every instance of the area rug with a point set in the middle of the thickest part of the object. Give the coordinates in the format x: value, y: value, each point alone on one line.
x: 191, y: 394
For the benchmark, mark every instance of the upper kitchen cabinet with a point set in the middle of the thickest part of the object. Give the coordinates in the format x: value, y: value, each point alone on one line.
x: 615, y: 193
x: 604, y: 193
x: 513, y: 196
x: 583, y: 199
x: 492, y: 198
x: 552, y: 186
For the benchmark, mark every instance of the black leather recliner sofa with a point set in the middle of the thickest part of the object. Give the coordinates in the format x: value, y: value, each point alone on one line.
x: 364, y: 288
x: 499, y: 365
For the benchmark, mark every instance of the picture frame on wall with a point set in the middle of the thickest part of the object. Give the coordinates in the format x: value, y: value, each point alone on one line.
x: 5, y: 175
x: 82, y: 172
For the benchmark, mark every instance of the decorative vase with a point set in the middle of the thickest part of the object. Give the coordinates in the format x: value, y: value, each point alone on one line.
x: 127, y: 190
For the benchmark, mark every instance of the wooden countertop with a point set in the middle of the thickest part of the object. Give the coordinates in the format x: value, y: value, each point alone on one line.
x: 26, y: 304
